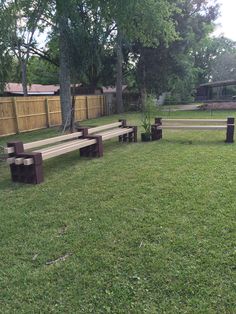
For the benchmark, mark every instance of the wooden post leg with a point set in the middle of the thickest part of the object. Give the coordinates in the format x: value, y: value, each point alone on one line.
x: 230, y: 130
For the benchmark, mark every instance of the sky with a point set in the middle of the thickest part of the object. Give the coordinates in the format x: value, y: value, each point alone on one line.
x: 227, y: 20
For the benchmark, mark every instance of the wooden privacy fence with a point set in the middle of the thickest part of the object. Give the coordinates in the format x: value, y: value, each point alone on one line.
x: 22, y: 114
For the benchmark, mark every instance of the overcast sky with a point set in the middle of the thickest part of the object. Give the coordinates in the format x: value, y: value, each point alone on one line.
x: 227, y: 19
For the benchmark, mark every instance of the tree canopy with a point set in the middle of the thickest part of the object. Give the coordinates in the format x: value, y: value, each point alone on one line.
x: 154, y: 46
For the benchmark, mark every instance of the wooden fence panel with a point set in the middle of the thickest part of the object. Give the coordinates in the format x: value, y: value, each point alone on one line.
x: 21, y: 114
x: 94, y: 107
x: 81, y: 108
x: 31, y: 114
x: 7, y: 117
x: 54, y: 111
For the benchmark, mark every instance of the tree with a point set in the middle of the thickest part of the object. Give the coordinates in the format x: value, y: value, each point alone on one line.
x: 22, y: 19
x: 6, y: 59
x: 62, y: 18
x: 224, y: 67
x: 172, y: 67
x: 210, y: 57
x: 41, y: 71
x: 146, y: 23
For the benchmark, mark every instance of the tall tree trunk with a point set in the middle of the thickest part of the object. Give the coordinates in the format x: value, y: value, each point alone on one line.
x: 64, y: 76
x: 119, y: 74
x: 143, y: 89
x: 24, y: 77
x: 72, y: 118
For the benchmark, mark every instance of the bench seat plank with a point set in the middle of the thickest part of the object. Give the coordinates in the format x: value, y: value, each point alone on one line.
x: 64, y: 150
x: 59, y: 146
x: 114, y: 133
x: 57, y: 150
x: 52, y: 140
x: 196, y: 127
x: 196, y: 120
x: 104, y: 127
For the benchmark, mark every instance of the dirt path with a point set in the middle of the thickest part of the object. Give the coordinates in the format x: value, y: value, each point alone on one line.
x: 182, y: 107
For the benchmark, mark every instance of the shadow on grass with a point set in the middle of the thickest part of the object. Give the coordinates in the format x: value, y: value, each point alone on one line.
x: 70, y: 160
x: 7, y: 185
x: 195, y: 142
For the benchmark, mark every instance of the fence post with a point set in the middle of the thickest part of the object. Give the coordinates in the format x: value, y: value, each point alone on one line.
x: 87, y: 108
x: 16, y: 115
x: 230, y: 130
x: 101, y: 105
x: 47, y: 113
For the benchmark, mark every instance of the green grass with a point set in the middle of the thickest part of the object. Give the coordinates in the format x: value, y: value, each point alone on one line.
x: 150, y: 228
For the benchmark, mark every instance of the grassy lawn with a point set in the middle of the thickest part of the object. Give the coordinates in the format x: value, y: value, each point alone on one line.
x: 148, y: 228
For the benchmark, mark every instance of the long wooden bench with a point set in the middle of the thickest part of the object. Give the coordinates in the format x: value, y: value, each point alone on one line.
x: 26, y: 165
x: 193, y: 124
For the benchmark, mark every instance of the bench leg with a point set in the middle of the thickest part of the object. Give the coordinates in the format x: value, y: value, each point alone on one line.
x: 156, y: 133
x: 32, y: 174
x: 230, y: 131
x: 130, y: 137
x: 18, y: 148
x: 84, y: 130
x: 135, y: 134
x: 95, y: 150
x: 124, y: 123
x: 125, y: 138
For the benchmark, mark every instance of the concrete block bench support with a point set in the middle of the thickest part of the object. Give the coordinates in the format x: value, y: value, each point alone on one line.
x: 230, y: 130
x: 156, y: 130
x: 128, y: 137
x: 95, y: 150
x: 33, y: 173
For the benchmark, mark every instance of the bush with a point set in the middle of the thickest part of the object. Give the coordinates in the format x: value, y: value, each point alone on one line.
x: 148, y: 111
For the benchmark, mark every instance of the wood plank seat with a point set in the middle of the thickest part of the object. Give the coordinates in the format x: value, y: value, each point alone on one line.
x: 105, y: 127
x: 118, y: 129
x: 114, y: 133
x: 224, y: 121
x: 190, y: 124
x: 52, y: 140
x: 26, y: 166
x: 193, y: 127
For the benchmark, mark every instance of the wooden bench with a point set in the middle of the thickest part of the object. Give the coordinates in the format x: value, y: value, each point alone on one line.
x: 193, y: 124
x: 26, y: 166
